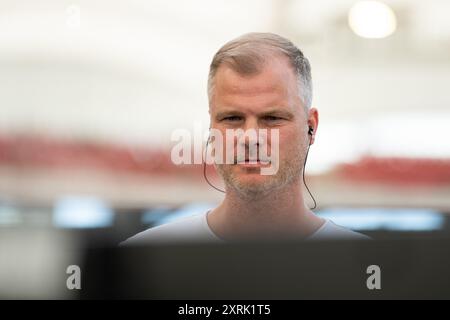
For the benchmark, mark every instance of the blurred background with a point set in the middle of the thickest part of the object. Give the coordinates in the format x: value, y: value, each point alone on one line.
x: 91, y: 91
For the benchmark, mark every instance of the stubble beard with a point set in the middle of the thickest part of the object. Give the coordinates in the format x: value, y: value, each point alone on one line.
x: 290, y: 170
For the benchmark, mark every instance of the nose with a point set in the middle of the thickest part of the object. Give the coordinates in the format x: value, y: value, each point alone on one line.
x: 251, y: 123
x: 251, y: 129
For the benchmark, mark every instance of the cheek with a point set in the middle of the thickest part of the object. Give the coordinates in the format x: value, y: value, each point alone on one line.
x: 289, y: 141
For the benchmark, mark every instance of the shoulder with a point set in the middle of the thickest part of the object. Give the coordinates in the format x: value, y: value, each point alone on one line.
x: 188, y: 228
x: 329, y: 230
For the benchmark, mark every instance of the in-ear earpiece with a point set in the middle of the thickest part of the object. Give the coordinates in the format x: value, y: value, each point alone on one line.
x: 310, y: 132
x: 204, y: 163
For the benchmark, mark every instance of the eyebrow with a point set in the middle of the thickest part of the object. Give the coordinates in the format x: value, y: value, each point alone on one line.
x: 226, y: 113
x: 274, y: 112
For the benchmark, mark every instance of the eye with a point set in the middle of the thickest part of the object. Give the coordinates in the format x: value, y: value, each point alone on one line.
x: 232, y: 118
x: 272, y: 118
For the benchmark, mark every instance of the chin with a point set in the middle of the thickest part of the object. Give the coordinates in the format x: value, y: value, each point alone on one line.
x: 253, y: 178
x: 253, y: 183
x: 249, y: 181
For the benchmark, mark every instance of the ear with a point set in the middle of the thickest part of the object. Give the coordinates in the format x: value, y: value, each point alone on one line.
x: 313, y: 122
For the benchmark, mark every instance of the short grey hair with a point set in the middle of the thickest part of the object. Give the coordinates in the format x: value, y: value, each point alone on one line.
x: 248, y: 53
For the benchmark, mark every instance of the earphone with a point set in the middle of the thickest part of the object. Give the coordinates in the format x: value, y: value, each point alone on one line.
x: 310, y: 132
x: 204, y: 166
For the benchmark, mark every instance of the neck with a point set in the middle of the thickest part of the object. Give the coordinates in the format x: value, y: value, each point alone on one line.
x: 280, y: 212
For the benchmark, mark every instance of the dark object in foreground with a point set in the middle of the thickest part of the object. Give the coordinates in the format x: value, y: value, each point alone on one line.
x: 409, y: 269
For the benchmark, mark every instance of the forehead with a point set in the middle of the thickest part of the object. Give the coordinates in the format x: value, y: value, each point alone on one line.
x: 275, y: 84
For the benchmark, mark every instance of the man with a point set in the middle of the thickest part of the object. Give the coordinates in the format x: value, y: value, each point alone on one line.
x: 259, y: 81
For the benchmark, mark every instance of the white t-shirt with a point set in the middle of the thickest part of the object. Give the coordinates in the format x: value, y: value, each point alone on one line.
x: 196, y: 228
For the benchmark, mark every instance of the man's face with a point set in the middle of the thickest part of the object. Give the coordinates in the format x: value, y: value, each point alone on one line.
x: 268, y: 100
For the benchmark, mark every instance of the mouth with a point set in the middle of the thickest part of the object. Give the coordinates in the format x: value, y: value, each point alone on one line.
x: 253, y: 163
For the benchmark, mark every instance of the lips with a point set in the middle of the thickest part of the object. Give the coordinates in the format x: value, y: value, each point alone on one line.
x: 253, y: 162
